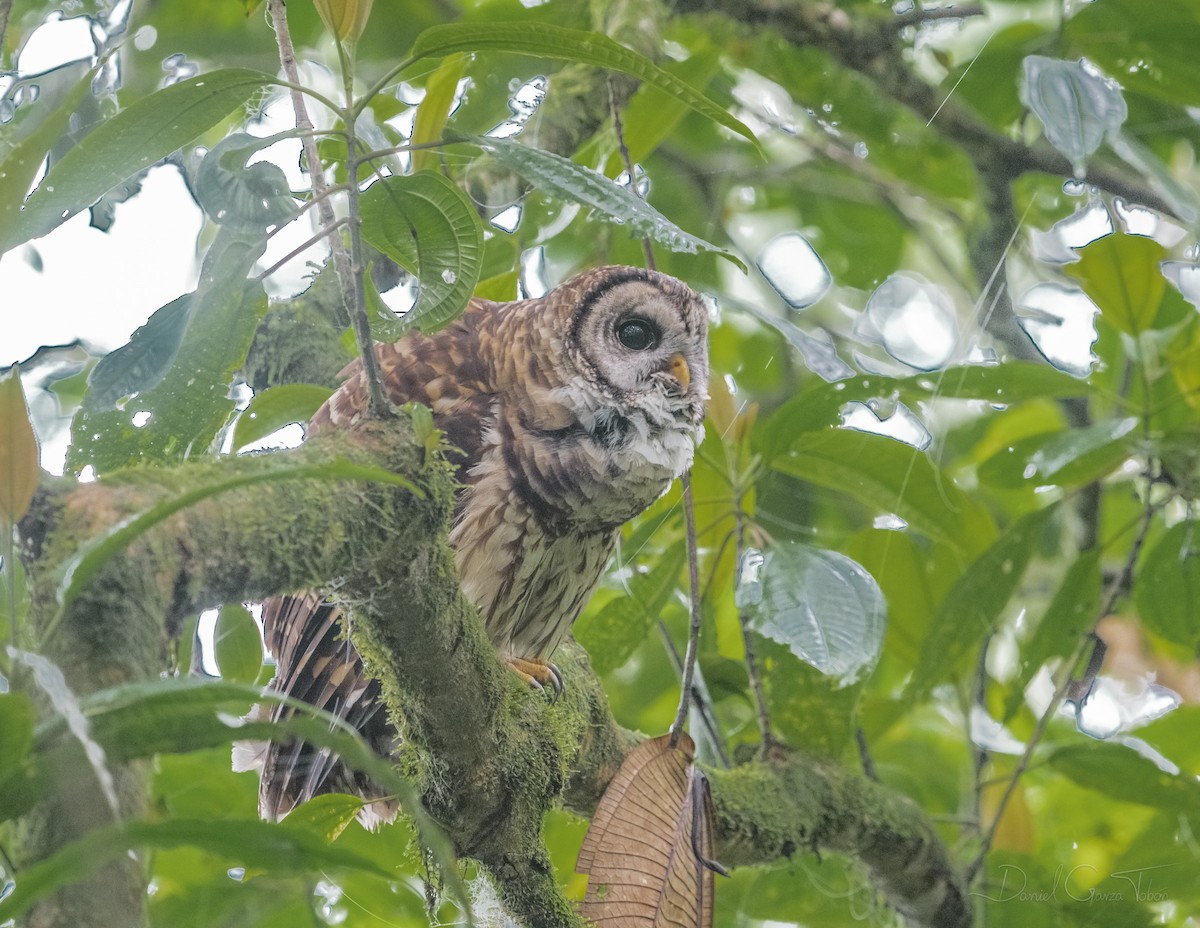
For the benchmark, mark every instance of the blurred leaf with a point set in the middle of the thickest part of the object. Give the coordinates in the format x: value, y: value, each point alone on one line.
x: 131, y: 141
x: 22, y: 162
x: 1167, y: 587
x: 16, y: 738
x: 276, y: 407
x: 93, y: 556
x: 238, y: 644
x: 564, y: 178
x: 646, y: 852
x: 1070, y: 615
x: 891, y: 478
x: 434, y: 110
x: 260, y: 845
x: 19, y: 469
x: 825, y: 608
x: 425, y: 224
x: 184, y: 401
x: 544, y: 40
x: 1078, y: 106
x: 972, y: 607
x: 1121, y: 275
x: 614, y: 633
x: 14, y: 602
x: 234, y: 193
x: 1066, y: 459
x: 345, y: 19
x: 1120, y: 773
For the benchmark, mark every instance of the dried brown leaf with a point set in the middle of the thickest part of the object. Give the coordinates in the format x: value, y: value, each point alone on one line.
x: 18, y: 451
x: 647, y: 851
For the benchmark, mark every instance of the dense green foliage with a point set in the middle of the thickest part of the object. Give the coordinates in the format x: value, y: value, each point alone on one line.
x: 920, y: 498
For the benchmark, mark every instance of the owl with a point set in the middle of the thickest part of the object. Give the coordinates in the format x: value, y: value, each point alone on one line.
x: 568, y: 415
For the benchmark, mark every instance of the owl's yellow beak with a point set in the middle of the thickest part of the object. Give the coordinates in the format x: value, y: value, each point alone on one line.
x: 680, y: 371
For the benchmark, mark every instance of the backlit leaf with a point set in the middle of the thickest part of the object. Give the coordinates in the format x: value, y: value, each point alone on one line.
x: 19, y: 470
x: 238, y: 644
x: 276, y: 407
x: 1121, y: 275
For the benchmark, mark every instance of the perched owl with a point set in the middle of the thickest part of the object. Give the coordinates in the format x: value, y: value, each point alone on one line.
x: 570, y: 414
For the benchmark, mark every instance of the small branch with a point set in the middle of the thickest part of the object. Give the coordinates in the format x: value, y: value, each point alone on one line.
x: 349, y: 276
x: 703, y: 707
x: 766, y: 740
x: 300, y: 249
x: 918, y: 17
x: 689, y: 660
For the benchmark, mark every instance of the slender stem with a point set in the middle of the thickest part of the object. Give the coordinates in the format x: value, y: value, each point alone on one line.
x: 753, y: 670
x: 299, y: 249
x: 703, y: 708
x: 1065, y: 684
x: 917, y: 17
x: 619, y: 129
x: 391, y: 75
x: 5, y: 10
x: 689, y: 660
x: 349, y: 265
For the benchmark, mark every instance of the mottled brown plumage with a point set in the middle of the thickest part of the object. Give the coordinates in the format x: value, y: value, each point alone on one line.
x: 571, y: 413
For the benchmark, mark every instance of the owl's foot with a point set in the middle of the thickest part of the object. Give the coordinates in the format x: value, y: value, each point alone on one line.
x: 539, y: 674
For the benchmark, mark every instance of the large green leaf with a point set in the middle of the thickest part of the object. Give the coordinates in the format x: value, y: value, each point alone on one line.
x: 1121, y: 275
x: 1121, y: 773
x: 822, y: 606
x: 1167, y: 586
x: 16, y: 739
x: 183, y: 401
x: 425, y: 224
x: 96, y: 553
x: 564, y: 178
x: 891, y: 477
x: 131, y: 141
x: 548, y: 41
x: 615, y: 632
x: 972, y: 607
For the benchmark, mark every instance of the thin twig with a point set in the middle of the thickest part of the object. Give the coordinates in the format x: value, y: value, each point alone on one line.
x: 864, y: 756
x: 704, y: 708
x: 918, y: 16
x: 689, y: 660
x: 308, y: 243
x: 752, y: 666
x: 1065, y: 685
x: 5, y: 11
x: 349, y: 276
x: 619, y: 129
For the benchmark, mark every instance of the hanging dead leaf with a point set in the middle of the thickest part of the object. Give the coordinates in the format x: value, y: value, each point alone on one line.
x: 18, y: 451
x: 647, y: 853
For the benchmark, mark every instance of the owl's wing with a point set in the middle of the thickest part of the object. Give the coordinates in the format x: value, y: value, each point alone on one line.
x: 316, y: 663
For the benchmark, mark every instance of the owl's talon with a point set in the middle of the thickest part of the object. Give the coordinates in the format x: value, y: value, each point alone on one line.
x: 541, y: 675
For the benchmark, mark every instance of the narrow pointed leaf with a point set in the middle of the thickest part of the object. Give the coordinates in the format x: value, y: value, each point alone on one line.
x: 19, y: 470
x: 131, y: 141
x: 544, y: 40
x: 434, y: 110
x: 276, y: 407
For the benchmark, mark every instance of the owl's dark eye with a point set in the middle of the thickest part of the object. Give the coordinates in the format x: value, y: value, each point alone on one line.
x: 637, y: 334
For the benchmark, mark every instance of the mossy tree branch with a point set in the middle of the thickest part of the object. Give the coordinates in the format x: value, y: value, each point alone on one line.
x: 489, y: 755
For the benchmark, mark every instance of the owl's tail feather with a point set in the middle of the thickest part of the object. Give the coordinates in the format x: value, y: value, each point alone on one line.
x: 316, y: 663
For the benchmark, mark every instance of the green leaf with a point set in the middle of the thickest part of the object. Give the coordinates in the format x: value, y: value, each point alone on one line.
x: 238, y: 644
x: 95, y: 554
x: 131, y: 141
x: 1167, y: 586
x: 434, y: 110
x: 250, y: 196
x: 972, y: 607
x: 1122, y: 773
x: 425, y: 224
x: 326, y: 815
x: 1121, y: 275
x: 19, y: 469
x: 564, y: 178
x: 16, y: 738
x: 14, y: 602
x: 614, y: 633
x: 25, y: 158
x: 821, y: 605
x: 891, y: 477
x: 1069, y: 616
x: 185, y: 401
x: 1066, y: 459
x: 276, y: 407
x: 544, y: 40
x: 268, y: 847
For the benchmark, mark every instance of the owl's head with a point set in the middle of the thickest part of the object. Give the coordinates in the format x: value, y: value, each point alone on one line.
x: 641, y: 339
